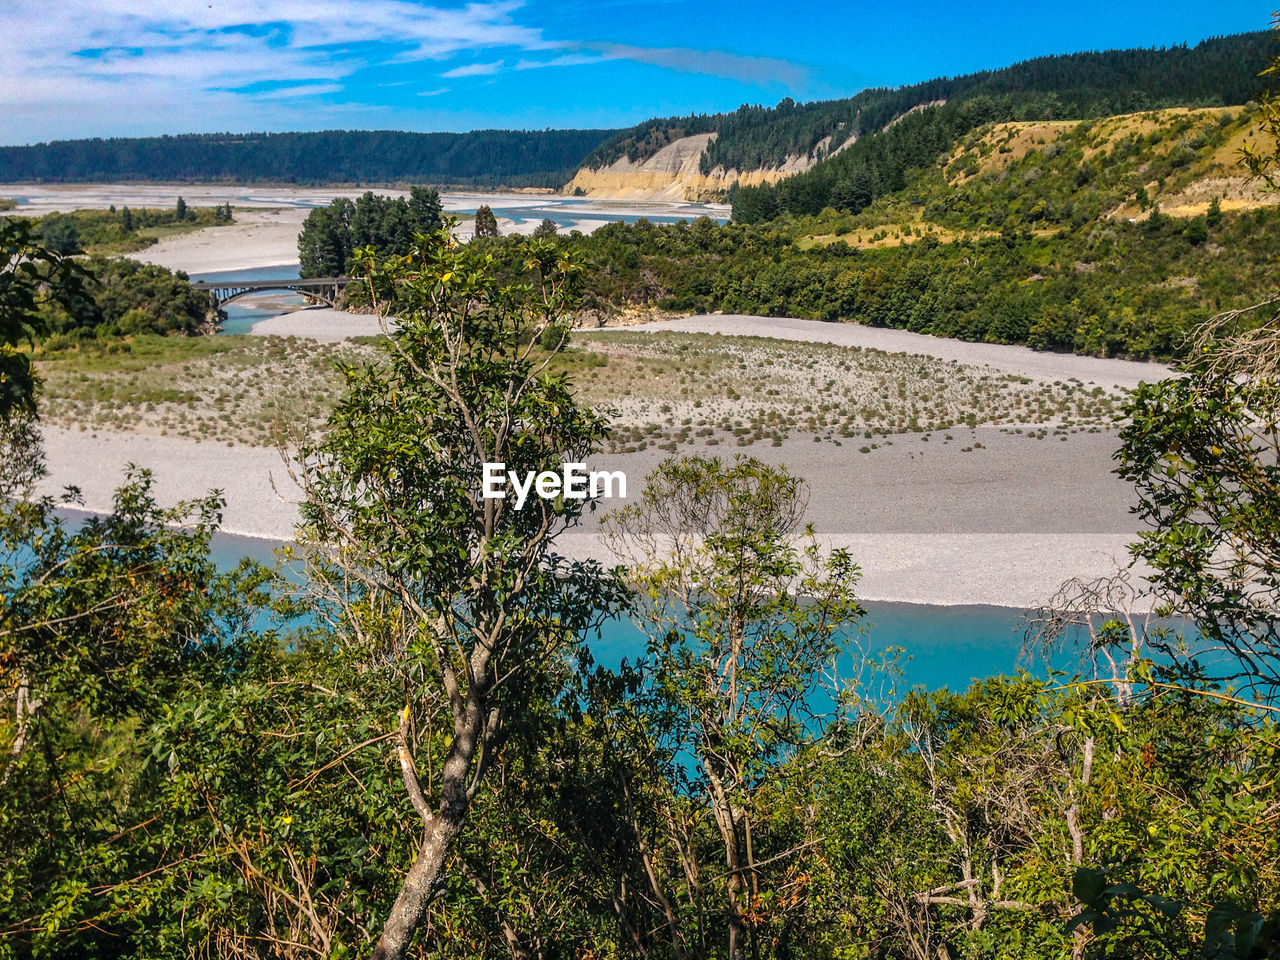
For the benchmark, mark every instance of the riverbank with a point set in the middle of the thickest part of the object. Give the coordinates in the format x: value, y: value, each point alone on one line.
x: 329, y: 325
x: 1005, y: 524
x: 269, y: 218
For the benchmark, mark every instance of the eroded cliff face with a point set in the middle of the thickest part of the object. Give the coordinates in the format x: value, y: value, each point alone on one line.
x: 674, y: 173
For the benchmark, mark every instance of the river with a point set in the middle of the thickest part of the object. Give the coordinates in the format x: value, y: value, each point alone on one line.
x: 941, y: 646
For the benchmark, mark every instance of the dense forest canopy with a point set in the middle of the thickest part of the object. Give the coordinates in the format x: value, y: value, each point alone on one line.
x: 330, y: 235
x: 513, y: 158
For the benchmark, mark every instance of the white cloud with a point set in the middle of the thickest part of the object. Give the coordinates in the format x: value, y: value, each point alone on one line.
x: 753, y: 70
x: 565, y: 60
x: 115, y: 61
x: 301, y: 90
x: 473, y: 70
x: 111, y: 67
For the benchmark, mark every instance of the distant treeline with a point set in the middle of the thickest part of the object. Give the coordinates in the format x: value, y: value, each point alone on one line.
x: 513, y: 158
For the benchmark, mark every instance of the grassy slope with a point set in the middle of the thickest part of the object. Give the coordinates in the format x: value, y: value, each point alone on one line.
x: 1052, y: 175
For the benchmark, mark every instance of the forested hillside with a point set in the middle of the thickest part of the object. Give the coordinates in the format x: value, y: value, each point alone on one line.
x: 1112, y: 236
x: 514, y: 158
x: 1216, y: 72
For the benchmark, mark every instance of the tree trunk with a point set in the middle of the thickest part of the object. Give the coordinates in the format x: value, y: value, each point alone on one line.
x: 441, y: 827
x: 722, y: 808
x: 415, y: 892
x: 25, y: 714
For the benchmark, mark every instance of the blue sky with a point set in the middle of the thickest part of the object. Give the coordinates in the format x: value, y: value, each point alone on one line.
x: 137, y: 67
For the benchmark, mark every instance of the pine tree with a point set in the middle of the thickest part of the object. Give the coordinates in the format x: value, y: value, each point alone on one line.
x: 180, y: 209
x: 486, y: 222
x: 425, y: 211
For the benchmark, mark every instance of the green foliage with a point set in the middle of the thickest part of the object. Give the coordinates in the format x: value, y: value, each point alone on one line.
x: 109, y: 231
x: 486, y: 224
x: 330, y: 235
x: 105, y: 628
x: 1229, y: 932
x: 31, y: 276
x: 1214, y: 215
x: 1201, y: 450
x: 1103, y: 289
x: 60, y: 234
x: 1259, y: 155
x: 128, y: 297
x: 1196, y: 231
x: 741, y: 623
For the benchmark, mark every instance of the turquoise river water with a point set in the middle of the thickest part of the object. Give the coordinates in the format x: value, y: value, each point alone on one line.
x: 941, y: 646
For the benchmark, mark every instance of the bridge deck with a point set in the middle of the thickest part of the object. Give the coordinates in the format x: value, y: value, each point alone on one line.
x: 324, y: 289
x: 269, y: 284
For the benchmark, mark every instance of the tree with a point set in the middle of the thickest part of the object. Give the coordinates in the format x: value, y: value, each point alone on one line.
x: 60, y: 234
x: 180, y: 209
x: 755, y: 204
x: 741, y: 621
x: 458, y: 598
x: 388, y: 224
x: 324, y: 242
x: 486, y: 222
x: 855, y: 193
x: 30, y: 275
x: 102, y: 624
x: 1260, y: 156
x: 426, y: 214
x: 1214, y: 215
x: 126, y: 220
x: 547, y: 228
x: 1202, y: 451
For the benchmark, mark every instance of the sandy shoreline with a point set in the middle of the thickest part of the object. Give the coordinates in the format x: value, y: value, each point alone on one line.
x: 268, y: 218
x: 1003, y: 525
x: 1023, y: 361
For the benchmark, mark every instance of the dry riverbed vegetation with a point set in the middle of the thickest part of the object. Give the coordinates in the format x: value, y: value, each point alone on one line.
x: 667, y: 389
x: 238, y: 389
x: 676, y: 388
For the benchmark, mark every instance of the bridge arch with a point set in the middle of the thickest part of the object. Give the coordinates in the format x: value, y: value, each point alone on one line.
x: 324, y: 289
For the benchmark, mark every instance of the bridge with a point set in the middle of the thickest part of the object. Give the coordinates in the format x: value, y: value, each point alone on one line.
x: 323, y: 289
